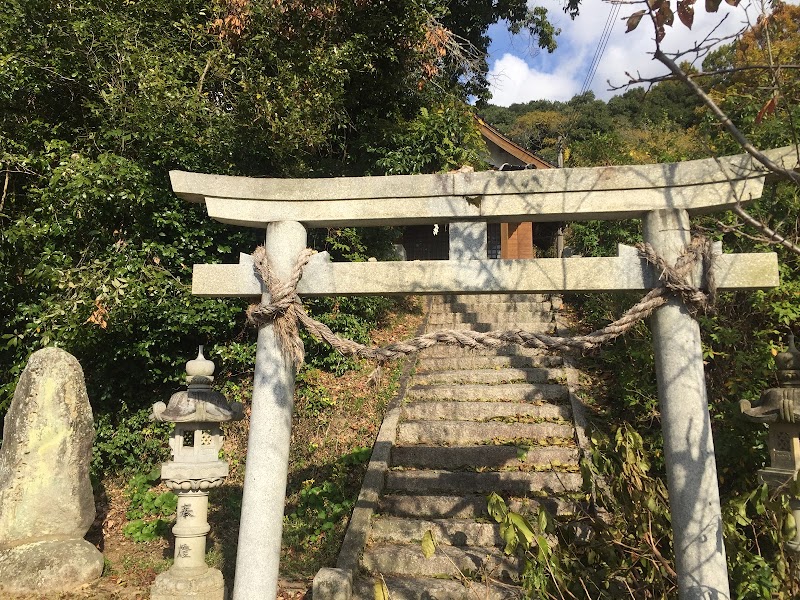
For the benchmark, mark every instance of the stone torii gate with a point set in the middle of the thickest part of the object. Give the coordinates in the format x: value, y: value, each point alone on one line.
x: 663, y: 196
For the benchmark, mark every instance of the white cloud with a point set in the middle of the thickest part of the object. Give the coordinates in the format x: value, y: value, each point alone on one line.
x: 513, y: 80
x: 560, y: 75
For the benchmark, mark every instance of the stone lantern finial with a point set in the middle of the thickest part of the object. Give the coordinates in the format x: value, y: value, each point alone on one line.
x: 199, y: 403
x: 781, y: 404
x: 199, y: 368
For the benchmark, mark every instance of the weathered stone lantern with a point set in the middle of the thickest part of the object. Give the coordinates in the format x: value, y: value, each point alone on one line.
x: 779, y: 408
x: 195, y: 468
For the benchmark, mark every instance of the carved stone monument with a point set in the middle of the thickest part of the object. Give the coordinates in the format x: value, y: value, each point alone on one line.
x: 46, y: 501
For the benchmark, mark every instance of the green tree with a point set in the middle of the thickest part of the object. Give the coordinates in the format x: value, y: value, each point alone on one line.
x: 469, y: 20
x: 540, y: 131
x: 666, y: 103
x: 750, y: 86
x: 101, y: 99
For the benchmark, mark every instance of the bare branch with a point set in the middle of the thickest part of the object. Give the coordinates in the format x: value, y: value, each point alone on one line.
x: 772, y: 235
x: 203, y: 76
x: 5, y: 191
x: 737, y: 230
x: 708, y: 43
x: 636, y: 80
x: 654, y: 547
x: 726, y: 122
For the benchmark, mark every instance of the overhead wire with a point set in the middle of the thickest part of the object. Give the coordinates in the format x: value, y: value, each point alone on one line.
x: 601, y: 46
x: 605, y: 35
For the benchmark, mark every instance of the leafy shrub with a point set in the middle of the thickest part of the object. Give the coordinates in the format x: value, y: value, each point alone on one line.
x: 322, y: 507
x: 148, y: 512
x: 629, y: 552
x: 96, y: 250
x: 128, y: 440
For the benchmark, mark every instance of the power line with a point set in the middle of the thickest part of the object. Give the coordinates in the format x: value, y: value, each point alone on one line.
x: 598, y: 55
x: 601, y: 46
x: 599, y: 50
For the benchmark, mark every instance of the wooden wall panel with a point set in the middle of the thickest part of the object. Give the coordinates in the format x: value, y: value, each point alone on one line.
x: 516, y: 240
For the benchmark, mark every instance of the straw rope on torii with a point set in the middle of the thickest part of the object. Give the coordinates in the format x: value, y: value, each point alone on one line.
x: 286, y: 310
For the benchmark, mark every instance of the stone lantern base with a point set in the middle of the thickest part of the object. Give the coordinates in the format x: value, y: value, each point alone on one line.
x: 172, y: 584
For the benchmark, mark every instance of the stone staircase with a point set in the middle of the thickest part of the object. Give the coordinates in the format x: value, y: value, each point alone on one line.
x: 471, y: 423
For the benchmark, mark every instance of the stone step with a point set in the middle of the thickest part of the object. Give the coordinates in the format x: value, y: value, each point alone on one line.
x: 514, y: 392
x: 494, y: 313
x: 407, y: 559
x: 428, y: 364
x: 434, y: 506
x: 543, y: 316
x: 461, y: 433
x: 423, y: 588
x: 516, y: 483
x: 467, y: 302
x: 491, y: 457
x: 467, y: 506
x: 532, y: 327
x: 450, y: 351
x: 483, y: 411
x: 460, y: 406
x: 467, y: 298
x: 492, y: 376
x: 451, y: 532
x: 482, y: 299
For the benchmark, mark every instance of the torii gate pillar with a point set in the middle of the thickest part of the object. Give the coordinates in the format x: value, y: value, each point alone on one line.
x: 686, y: 425
x: 266, y: 469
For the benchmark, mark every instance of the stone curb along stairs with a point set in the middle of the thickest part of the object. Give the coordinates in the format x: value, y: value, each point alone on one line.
x: 465, y: 424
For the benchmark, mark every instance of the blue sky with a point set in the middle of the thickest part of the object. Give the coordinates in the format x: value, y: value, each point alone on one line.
x: 518, y: 73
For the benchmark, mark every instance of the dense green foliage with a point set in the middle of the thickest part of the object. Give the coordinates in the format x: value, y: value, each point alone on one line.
x: 149, y: 513
x: 101, y: 99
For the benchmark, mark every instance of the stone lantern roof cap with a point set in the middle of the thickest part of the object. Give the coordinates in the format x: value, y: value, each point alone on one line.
x: 199, y: 403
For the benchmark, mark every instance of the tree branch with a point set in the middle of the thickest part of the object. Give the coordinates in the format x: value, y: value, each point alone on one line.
x: 654, y: 547
x: 203, y: 76
x: 725, y: 120
x: 772, y: 235
x: 737, y: 229
x: 653, y: 80
x: 5, y: 191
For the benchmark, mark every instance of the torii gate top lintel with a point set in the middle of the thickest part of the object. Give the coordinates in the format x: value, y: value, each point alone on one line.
x: 579, y: 194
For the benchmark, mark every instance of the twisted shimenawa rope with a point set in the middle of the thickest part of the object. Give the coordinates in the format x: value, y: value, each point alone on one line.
x: 285, y: 310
